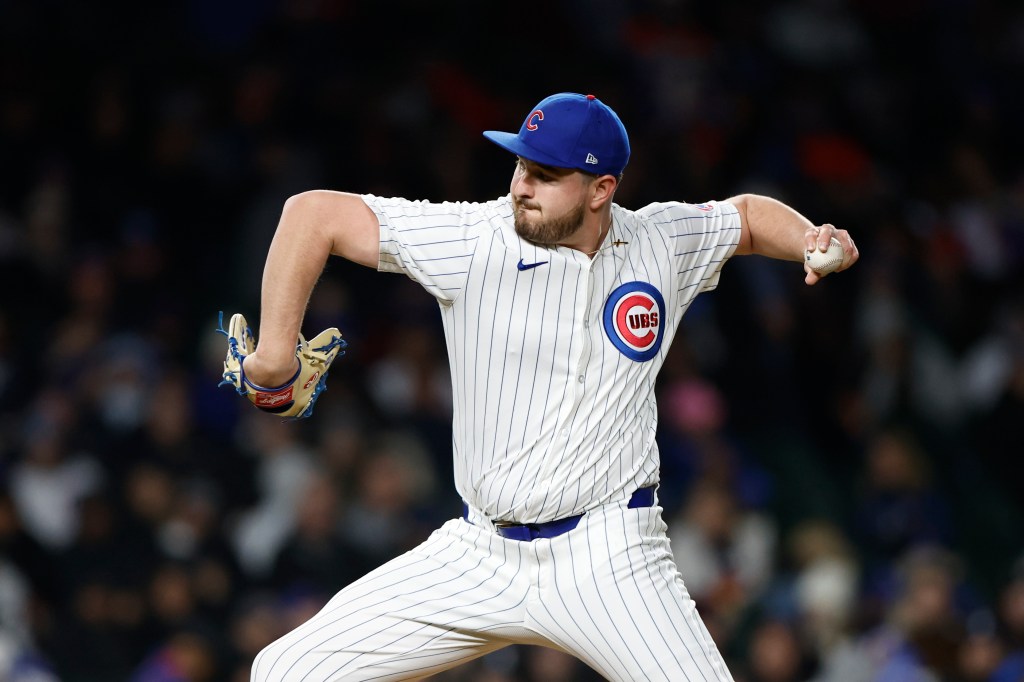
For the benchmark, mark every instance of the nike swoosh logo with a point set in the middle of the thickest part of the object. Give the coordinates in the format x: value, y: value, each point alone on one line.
x: 527, y: 266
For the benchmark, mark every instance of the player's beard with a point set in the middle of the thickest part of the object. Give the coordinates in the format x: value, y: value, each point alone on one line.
x: 551, y: 231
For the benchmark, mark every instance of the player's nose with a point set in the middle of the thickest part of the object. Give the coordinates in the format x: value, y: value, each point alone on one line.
x: 521, y: 186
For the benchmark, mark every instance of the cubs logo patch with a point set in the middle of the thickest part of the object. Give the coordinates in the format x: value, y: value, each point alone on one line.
x: 634, y: 316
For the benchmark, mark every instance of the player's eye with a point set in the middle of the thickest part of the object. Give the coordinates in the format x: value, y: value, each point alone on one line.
x: 541, y: 174
x: 534, y: 171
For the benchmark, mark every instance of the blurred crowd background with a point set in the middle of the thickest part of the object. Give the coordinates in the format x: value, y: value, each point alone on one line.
x: 840, y: 462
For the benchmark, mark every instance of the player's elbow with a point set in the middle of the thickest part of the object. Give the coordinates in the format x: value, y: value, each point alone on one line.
x: 307, y: 204
x: 303, y: 216
x: 341, y: 220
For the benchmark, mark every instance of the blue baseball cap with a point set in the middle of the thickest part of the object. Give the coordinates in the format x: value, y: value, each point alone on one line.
x: 569, y: 130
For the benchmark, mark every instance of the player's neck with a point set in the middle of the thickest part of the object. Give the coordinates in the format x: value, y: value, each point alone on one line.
x: 591, y: 235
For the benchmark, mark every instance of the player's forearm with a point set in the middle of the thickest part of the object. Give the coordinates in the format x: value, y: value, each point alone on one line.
x: 771, y: 228
x: 296, y: 259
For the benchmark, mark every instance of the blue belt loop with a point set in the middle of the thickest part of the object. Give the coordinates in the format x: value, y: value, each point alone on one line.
x: 525, y: 532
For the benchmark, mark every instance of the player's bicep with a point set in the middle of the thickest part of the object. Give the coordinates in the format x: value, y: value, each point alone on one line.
x: 344, y: 220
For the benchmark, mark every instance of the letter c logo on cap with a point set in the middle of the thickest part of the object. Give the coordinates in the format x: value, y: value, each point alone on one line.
x: 537, y: 115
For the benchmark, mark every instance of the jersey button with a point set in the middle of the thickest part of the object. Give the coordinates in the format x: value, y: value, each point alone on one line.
x: 580, y: 378
x: 586, y: 323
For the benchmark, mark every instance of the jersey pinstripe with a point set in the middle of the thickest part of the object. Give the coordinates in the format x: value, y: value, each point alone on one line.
x: 551, y: 417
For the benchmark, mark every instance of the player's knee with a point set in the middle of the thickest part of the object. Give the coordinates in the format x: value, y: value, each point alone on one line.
x: 290, y: 658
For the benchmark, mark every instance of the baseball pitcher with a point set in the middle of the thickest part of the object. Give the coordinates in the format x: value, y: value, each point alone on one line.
x: 558, y: 307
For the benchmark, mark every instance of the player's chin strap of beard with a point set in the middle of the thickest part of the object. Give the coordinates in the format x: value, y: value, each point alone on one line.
x: 527, y: 532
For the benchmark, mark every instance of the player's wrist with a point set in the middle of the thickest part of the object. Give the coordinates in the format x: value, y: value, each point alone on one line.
x: 270, y: 372
x: 276, y: 354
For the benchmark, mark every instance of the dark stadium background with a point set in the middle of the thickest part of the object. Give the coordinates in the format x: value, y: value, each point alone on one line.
x: 841, y: 472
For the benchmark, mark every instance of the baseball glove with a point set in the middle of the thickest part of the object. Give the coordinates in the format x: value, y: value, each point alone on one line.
x: 296, y: 397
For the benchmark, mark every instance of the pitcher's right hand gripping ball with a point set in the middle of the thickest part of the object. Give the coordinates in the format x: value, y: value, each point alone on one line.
x: 296, y: 397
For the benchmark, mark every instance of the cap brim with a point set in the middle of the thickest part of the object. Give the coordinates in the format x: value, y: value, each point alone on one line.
x: 512, y: 143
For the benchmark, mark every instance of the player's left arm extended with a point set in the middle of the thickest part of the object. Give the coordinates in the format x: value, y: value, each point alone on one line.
x: 771, y: 228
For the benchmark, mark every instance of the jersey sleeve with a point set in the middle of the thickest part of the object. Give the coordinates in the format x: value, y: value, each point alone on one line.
x: 701, y: 238
x: 432, y: 243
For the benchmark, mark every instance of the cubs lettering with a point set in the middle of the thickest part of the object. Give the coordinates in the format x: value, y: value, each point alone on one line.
x: 643, y: 320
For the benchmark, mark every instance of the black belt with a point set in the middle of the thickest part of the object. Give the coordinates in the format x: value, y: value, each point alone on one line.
x: 525, y: 532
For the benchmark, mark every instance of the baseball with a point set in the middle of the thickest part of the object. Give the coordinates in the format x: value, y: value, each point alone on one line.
x: 825, y: 262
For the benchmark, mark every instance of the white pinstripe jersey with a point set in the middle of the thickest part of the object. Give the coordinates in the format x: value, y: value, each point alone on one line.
x: 554, y: 366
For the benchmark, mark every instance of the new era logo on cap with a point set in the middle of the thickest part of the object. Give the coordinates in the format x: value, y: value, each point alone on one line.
x: 569, y: 130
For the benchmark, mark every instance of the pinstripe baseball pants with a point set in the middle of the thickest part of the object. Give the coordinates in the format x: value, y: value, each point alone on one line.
x: 607, y: 592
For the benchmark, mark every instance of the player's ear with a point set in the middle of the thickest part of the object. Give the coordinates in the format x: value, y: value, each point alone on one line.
x: 601, y: 190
